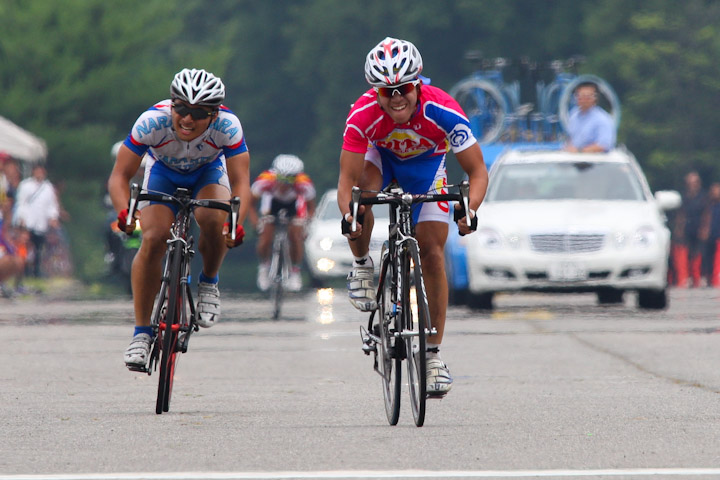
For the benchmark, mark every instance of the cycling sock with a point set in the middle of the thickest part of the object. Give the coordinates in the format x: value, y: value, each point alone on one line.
x: 147, y: 330
x: 432, y: 349
x: 205, y: 279
x: 364, y: 261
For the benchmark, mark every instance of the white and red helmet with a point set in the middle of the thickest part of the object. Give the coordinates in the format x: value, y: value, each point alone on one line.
x: 198, y: 87
x: 392, y: 62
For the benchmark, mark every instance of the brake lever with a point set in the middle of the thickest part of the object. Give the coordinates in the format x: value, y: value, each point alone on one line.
x: 134, y: 193
x: 465, y: 194
x: 355, y: 206
x: 234, y: 209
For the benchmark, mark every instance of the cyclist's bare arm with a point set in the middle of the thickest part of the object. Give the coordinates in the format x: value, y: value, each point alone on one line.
x: 351, y: 169
x: 253, y: 213
x: 471, y: 160
x: 310, y: 208
x: 238, y: 168
x: 126, y: 165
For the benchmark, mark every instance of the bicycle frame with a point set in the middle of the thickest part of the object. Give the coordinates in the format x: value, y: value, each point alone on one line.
x: 400, y: 330
x: 280, y: 261
x: 170, y: 321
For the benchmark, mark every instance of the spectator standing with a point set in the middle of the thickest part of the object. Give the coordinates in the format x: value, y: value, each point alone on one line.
x: 711, y: 259
x: 590, y: 128
x: 691, y: 232
x: 37, y: 209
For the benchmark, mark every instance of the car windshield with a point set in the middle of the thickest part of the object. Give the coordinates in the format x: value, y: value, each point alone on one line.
x: 331, y: 211
x: 565, y: 181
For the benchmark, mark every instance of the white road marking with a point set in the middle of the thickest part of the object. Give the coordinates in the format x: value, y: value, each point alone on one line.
x: 370, y: 474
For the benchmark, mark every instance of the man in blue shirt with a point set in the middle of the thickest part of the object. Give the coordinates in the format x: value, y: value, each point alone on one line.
x: 590, y: 128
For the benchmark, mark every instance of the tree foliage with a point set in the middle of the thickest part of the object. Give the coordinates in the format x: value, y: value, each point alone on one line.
x: 79, y: 72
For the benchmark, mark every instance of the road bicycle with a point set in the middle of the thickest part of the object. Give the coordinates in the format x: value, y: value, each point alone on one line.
x: 398, y: 328
x: 174, y: 316
x: 279, y: 261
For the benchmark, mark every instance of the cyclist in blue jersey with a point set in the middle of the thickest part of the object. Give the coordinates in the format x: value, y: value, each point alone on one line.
x: 193, y: 141
x: 402, y: 129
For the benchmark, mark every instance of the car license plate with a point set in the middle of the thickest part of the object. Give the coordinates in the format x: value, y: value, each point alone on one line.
x: 566, y: 272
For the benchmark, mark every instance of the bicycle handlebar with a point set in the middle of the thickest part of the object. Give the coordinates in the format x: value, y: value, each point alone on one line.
x: 399, y: 198
x: 136, y: 196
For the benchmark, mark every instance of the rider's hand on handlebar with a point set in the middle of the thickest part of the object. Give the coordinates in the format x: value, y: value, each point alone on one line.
x: 239, y: 235
x: 459, y: 217
x: 122, y: 222
x: 346, y: 224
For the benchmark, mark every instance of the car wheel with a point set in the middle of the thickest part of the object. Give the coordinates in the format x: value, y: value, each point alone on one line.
x: 653, y: 299
x: 609, y: 296
x: 458, y: 297
x: 480, y: 301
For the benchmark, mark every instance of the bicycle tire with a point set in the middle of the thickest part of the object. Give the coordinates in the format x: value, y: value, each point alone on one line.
x: 276, y: 291
x: 485, y: 107
x: 389, y: 360
x: 169, y: 332
x: 416, y: 323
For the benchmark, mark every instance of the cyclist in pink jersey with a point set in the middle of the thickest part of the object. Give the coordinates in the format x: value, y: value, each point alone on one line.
x: 194, y: 142
x: 402, y: 130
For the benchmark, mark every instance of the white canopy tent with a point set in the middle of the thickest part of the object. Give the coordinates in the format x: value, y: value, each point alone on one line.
x: 21, y: 144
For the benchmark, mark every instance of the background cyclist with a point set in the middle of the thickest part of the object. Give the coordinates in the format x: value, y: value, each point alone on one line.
x: 193, y: 142
x: 401, y: 129
x: 284, y: 185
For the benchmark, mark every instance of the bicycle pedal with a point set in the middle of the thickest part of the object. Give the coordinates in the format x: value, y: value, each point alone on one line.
x: 137, y: 368
x: 435, y: 396
x: 367, y: 349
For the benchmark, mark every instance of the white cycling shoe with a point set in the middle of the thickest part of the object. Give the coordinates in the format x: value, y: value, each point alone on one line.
x: 439, y: 381
x: 361, y: 289
x: 138, y: 352
x: 208, y: 307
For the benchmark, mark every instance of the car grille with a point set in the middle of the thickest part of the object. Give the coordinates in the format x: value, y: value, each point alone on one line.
x: 566, y: 242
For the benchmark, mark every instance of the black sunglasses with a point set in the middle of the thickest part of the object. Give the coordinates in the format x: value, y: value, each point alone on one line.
x: 196, y: 113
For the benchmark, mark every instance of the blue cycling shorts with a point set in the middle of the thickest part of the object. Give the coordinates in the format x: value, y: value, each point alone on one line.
x: 160, y: 178
x: 418, y: 175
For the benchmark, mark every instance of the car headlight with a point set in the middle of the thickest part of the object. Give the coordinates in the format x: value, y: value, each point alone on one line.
x: 645, y: 237
x: 489, y: 238
x: 325, y: 244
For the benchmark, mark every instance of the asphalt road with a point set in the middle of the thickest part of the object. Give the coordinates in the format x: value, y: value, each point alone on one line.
x: 548, y: 385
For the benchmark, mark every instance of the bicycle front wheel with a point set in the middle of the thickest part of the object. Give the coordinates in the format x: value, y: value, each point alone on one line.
x: 168, y: 330
x: 416, y: 322
x: 278, y: 277
x: 390, y: 349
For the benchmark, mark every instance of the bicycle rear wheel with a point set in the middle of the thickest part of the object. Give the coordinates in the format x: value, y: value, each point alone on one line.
x: 168, y: 330
x: 389, y: 357
x: 416, y: 322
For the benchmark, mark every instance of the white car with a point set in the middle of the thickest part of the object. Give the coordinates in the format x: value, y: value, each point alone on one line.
x: 568, y: 222
x: 326, y: 249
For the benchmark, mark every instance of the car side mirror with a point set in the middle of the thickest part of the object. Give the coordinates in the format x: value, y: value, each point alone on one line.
x: 668, y: 199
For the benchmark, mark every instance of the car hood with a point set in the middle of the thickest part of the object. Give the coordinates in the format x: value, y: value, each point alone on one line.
x: 571, y: 215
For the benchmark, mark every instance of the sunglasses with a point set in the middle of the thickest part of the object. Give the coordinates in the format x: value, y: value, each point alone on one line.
x: 196, y: 113
x: 402, y: 89
x: 289, y: 179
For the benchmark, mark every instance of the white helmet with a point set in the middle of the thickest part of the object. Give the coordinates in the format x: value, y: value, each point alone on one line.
x: 198, y: 87
x: 392, y: 62
x: 288, y: 165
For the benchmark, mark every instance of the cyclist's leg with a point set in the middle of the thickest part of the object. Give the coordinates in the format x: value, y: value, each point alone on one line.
x: 296, y: 235
x: 431, y: 237
x: 264, y: 250
x: 212, y: 183
x: 360, y: 280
